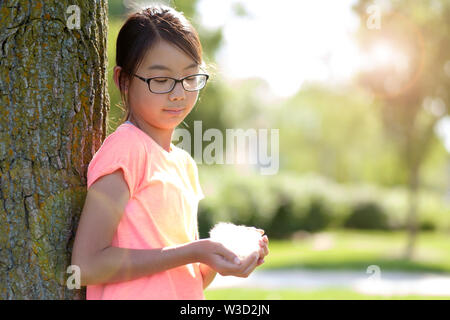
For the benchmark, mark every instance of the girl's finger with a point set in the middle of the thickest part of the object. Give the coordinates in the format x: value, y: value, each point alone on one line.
x: 264, y: 251
x: 260, y: 262
x: 264, y: 240
x: 263, y: 243
x: 252, y: 265
x: 230, y: 256
x: 248, y: 261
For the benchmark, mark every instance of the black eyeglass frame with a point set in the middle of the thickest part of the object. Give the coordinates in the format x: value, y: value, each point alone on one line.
x: 147, y: 80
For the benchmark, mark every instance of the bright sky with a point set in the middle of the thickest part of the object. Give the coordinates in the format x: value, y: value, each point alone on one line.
x: 285, y: 42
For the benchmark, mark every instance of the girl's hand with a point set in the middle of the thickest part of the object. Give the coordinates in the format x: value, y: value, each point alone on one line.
x: 264, y: 250
x: 222, y: 260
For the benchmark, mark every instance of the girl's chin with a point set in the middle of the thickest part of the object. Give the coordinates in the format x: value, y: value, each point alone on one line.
x: 170, y: 125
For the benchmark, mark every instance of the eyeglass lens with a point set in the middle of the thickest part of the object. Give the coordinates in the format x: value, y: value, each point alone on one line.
x: 162, y: 84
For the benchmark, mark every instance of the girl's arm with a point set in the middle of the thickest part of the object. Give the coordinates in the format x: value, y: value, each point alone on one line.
x: 115, y: 264
x: 99, y: 262
x: 208, y: 274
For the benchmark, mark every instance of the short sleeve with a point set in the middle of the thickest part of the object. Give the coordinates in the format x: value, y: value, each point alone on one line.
x: 120, y: 150
x: 193, y: 177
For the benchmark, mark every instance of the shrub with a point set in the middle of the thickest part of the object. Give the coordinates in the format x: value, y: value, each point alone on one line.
x: 427, y: 225
x: 286, y: 203
x: 284, y: 223
x: 367, y: 215
x: 205, y: 221
x: 317, y: 217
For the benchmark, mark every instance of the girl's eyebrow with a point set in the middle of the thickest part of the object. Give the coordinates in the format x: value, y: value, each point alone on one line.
x: 161, y: 67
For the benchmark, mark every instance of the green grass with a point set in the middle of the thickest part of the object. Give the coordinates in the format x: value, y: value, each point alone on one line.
x: 356, y: 250
x: 321, y: 294
x: 348, y: 250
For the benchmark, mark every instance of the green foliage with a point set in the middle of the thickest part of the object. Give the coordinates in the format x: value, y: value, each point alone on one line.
x: 367, y: 216
x: 427, y: 225
x: 115, y: 113
x: 240, y: 199
x: 116, y: 8
x: 287, y: 203
x: 317, y: 216
x: 311, y: 215
x: 337, y: 134
x: 417, y: 30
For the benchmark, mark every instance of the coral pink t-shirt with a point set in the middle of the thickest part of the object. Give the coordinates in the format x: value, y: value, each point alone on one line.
x: 162, y: 211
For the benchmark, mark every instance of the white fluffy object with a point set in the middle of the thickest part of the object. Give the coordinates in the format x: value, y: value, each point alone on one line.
x: 242, y: 240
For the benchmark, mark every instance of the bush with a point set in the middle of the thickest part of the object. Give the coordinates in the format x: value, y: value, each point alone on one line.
x: 367, y: 216
x: 205, y: 221
x: 427, y: 225
x: 317, y: 217
x: 310, y: 214
x: 286, y: 203
x: 284, y: 222
x: 238, y: 199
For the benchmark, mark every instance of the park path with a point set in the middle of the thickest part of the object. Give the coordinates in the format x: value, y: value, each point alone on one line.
x: 387, y: 283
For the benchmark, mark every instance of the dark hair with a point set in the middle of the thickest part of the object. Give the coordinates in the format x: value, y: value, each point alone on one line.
x: 144, y: 29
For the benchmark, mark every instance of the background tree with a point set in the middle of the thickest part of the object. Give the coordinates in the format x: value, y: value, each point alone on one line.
x: 409, y: 79
x: 54, y: 105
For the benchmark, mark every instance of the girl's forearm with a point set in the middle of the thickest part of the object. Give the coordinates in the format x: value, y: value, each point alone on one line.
x: 208, y: 275
x: 115, y: 264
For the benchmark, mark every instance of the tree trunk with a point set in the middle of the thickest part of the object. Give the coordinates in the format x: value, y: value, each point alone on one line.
x: 412, y: 221
x: 53, y: 107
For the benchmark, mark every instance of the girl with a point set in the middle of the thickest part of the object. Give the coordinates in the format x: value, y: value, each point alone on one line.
x: 138, y: 237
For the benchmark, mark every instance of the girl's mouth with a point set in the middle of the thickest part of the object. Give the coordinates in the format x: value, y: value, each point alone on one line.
x: 174, y: 111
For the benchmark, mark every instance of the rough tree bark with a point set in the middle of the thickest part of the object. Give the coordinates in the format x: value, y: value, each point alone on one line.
x: 53, y: 107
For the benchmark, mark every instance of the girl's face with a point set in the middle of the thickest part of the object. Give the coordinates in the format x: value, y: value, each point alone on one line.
x: 163, y: 60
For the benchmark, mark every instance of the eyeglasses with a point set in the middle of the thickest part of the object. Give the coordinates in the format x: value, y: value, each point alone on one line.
x: 193, y: 82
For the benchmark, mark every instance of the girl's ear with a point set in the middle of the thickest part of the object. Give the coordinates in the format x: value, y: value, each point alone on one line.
x: 117, y: 71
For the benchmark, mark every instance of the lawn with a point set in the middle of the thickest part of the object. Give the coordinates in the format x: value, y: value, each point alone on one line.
x: 356, y: 250
x: 321, y: 294
x: 346, y: 250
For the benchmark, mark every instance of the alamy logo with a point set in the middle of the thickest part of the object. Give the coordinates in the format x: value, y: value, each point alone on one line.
x: 73, y: 21
x: 375, y: 273
x: 374, y: 19
x: 74, y: 280
x: 242, y: 147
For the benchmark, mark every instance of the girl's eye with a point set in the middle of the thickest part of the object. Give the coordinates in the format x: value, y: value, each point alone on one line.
x: 160, y: 81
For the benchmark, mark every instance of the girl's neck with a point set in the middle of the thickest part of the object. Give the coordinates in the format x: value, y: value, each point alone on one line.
x: 161, y: 137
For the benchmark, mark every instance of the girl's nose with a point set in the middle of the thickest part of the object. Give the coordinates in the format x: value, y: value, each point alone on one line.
x: 177, y: 92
